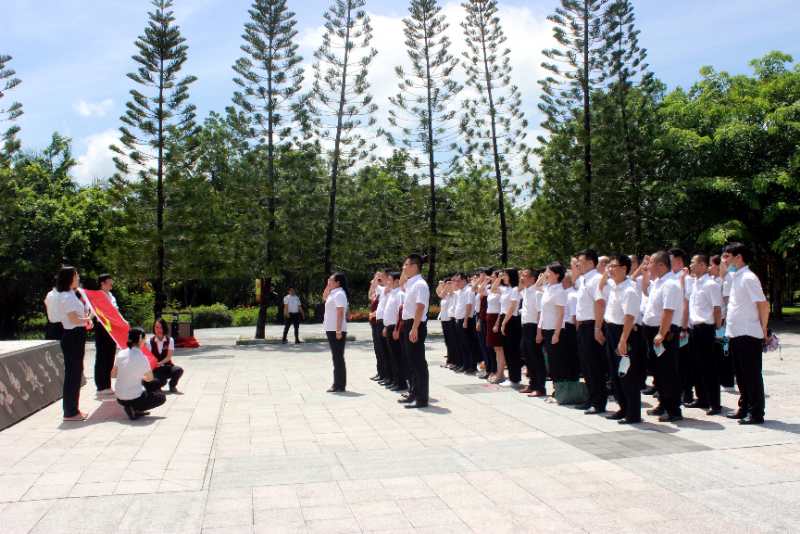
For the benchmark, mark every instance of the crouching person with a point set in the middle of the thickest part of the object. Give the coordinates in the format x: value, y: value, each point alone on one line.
x: 162, y: 346
x: 132, y: 371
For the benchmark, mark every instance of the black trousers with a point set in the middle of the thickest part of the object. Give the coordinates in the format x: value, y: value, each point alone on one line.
x: 705, y: 359
x: 415, y: 353
x: 73, y: 345
x: 560, y: 366
x: 148, y: 400
x: 380, y: 351
x: 450, y: 342
x: 627, y: 389
x: 726, y: 367
x: 594, y: 366
x: 396, y: 359
x: 168, y: 374
x: 747, y: 358
x: 53, y: 331
x: 474, y: 342
x: 465, y: 358
x: 511, y: 345
x: 667, y: 375
x: 688, y: 371
x: 292, y: 320
x: 337, y: 354
x: 533, y: 356
x: 105, y: 349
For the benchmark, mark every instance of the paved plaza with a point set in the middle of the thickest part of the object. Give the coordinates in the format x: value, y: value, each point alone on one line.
x: 256, y: 445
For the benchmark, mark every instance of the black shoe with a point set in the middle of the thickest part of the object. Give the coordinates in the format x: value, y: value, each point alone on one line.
x: 142, y: 414
x: 284, y: 342
x: 406, y: 400
x: 173, y: 389
x: 750, y: 420
x: 658, y: 410
x: 297, y: 341
x: 416, y: 405
x: 738, y: 414
x: 383, y: 382
x: 650, y: 390
x: 669, y: 418
x: 688, y: 399
x: 375, y: 378
x: 626, y: 421
x: 458, y: 369
x: 697, y: 404
x: 714, y: 411
x: 584, y: 406
x: 593, y: 410
x: 334, y: 389
x: 131, y: 413
x: 616, y: 416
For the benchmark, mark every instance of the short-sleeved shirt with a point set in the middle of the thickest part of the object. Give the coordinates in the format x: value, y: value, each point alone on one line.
x: 444, y: 309
x: 417, y: 292
x: 382, y: 294
x: 292, y: 302
x: 587, y: 289
x: 51, y: 306
x: 336, y: 299
x: 493, y: 301
x: 69, y: 302
x: 554, y: 296
x: 530, y: 305
x: 746, y: 293
x: 508, y: 296
x: 464, y: 299
x: 665, y: 294
x: 623, y: 299
x: 571, y: 310
x: 705, y: 294
x: 392, y: 309
x: 131, y: 366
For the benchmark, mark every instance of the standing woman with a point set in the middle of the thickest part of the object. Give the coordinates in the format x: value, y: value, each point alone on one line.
x: 75, y: 320
x: 494, y: 337
x: 335, y: 324
x: 511, y: 326
x: 551, y: 323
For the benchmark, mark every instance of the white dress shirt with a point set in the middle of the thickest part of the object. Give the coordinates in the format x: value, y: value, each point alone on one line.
x: 292, y: 302
x: 382, y: 294
x: 746, y: 292
x: 571, y: 310
x: 587, y: 289
x: 530, y: 305
x: 131, y: 366
x: 69, y: 302
x: 392, y: 309
x: 554, y: 296
x: 444, y: 309
x: 623, y: 299
x: 511, y: 294
x: 493, y: 302
x: 336, y: 299
x: 51, y: 306
x: 704, y: 295
x: 665, y: 294
x: 461, y: 304
x: 417, y: 292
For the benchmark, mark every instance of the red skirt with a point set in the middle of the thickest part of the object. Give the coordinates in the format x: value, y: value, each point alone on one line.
x: 493, y: 339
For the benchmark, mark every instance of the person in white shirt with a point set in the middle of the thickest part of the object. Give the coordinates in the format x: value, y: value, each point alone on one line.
x: 391, y: 331
x: 591, y: 353
x: 622, y: 346
x: 162, y: 346
x: 746, y: 327
x: 53, y: 329
x: 335, y: 324
x: 569, y: 338
x: 444, y: 290
x: 465, y: 326
x: 511, y: 326
x: 377, y: 295
x: 679, y: 262
x: 105, y: 348
x: 494, y: 338
x: 551, y: 327
x: 530, y: 283
x: 132, y: 371
x: 664, y: 303
x: 726, y: 374
x: 415, y: 330
x: 292, y: 314
x: 705, y: 316
x: 75, y: 320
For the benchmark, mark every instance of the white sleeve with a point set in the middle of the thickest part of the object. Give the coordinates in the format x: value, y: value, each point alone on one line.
x: 172, y: 344
x: 631, y: 301
x: 286, y: 299
x: 340, y: 300
x: 560, y: 298
x: 423, y: 294
x: 753, y: 286
x: 671, y: 293
x: 716, y: 294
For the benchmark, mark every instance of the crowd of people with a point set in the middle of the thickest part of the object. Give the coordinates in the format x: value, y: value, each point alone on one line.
x: 138, y: 384
x: 690, y: 323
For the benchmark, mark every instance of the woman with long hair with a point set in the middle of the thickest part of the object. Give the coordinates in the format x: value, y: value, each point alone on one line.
x: 510, y: 325
x: 75, y: 320
x: 162, y: 346
x: 494, y: 336
x: 335, y: 324
x: 132, y: 370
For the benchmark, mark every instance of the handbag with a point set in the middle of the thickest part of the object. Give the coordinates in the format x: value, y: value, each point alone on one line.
x: 570, y: 392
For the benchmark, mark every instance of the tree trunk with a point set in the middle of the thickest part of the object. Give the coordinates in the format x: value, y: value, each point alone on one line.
x: 160, y: 298
x: 266, y: 289
x: 587, y: 128
x: 431, y: 163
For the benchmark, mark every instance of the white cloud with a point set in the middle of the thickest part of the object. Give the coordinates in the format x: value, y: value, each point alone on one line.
x: 93, y: 109
x: 96, y: 163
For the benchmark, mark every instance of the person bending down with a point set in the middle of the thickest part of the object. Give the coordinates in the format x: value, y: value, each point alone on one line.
x: 162, y: 346
x: 132, y: 371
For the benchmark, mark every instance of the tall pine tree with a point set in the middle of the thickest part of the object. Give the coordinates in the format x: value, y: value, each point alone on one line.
x: 270, y: 78
x: 340, y: 102
x: 426, y: 97
x: 493, y: 126
x: 579, y: 29
x: 158, y: 125
x: 8, y: 81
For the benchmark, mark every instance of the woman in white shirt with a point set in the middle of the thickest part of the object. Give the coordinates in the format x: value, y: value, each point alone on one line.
x: 132, y: 371
x: 75, y: 320
x: 496, y: 366
x: 335, y: 324
x: 510, y: 325
x: 162, y: 345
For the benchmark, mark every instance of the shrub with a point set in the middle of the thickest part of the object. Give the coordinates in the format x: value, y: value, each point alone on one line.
x: 138, y: 309
x: 213, y: 316
x: 246, y: 316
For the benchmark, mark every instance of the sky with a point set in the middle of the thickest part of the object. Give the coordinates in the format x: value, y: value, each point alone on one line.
x: 73, y: 55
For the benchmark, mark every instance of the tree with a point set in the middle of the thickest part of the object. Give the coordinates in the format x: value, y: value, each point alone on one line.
x: 270, y: 78
x: 426, y: 95
x: 8, y: 81
x: 340, y: 98
x: 493, y: 126
x: 156, y: 125
x: 579, y: 29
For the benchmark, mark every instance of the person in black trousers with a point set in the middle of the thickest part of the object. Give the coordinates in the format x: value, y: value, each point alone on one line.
x: 134, y: 376
x: 415, y: 316
x: 391, y: 332
x: 163, y: 346
x: 335, y: 324
x: 292, y: 314
x: 75, y: 320
x: 511, y: 327
x: 105, y: 348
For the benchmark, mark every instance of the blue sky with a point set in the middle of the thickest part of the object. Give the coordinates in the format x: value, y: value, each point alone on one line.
x: 72, y: 56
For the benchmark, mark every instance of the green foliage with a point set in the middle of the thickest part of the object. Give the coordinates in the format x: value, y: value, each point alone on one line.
x: 9, y: 113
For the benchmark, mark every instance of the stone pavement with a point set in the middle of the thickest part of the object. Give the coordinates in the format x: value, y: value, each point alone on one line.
x: 256, y: 445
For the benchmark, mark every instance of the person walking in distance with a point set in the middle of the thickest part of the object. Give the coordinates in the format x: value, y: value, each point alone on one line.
x: 292, y: 314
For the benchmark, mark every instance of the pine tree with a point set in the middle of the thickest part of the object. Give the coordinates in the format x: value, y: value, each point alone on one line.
x: 8, y: 81
x: 579, y: 29
x: 340, y: 101
x: 270, y: 78
x: 157, y: 124
x: 494, y: 126
x: 426, y: 96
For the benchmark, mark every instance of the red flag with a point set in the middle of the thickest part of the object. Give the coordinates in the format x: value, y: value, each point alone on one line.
x: 117, y: 327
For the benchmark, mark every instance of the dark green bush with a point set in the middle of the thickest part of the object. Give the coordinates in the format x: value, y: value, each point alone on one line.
x: 213, y: 316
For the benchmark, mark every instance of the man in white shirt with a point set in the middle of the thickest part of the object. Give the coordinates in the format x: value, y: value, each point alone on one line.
x: 722, y: 278
x: 746, y: 329
x: 665, y: 300
x: 377, y: 295
x: 622, y: 347
x: 591, y: 353
x: 292, y: 314
x: 53, y: 330
x: 532, y: 353
x: 415, y: 330
x: 104, y: 345
x: 444, y: 290
x: 705, y: 316
x: 679, y: 262
x: 465, y: 361
x: 391, y: 331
